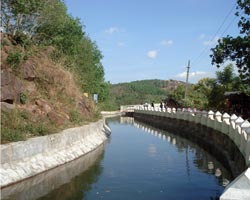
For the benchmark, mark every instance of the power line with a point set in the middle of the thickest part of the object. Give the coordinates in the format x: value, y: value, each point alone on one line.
x: 230, y: 24
x: 206, y: 49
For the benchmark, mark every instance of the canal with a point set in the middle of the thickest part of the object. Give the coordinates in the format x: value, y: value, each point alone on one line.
x: 137, y: 162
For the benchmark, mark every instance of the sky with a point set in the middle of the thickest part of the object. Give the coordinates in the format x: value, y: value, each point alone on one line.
x: 154, y: 39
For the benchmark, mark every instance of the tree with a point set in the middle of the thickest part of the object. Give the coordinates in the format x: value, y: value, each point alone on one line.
x: 226, y: 77
x: 46, y: 23
x: 225, y: 81
x: 20, y: 16
x: 236, y: 49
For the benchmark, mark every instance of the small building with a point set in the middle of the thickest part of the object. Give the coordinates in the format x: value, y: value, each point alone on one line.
x: 237, y: 102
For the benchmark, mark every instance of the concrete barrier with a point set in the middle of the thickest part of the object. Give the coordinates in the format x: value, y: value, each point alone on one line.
x: 24, y: 159
x: 239, y: 189
x: 236, y: 128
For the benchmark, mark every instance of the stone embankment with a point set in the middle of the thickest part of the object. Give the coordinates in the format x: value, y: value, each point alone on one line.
x: 24, y: 159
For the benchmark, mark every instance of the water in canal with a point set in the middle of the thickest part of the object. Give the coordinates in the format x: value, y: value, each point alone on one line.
x: 137, y: 162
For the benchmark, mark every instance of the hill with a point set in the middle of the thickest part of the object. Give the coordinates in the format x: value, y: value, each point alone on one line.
x: 38, y: 96
x: 48, y: 61
x: 143, y: 91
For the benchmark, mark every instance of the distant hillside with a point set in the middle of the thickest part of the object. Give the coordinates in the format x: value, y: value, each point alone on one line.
x: 143, y: 91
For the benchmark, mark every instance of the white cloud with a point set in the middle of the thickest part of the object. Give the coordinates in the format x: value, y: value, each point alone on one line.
x: 167, y: 42
x: 182, y: 75
x: 193, y: 76
x: 152, y: 54
x: 112, y: 30
x: 211, y: 42
x: 202, y: 36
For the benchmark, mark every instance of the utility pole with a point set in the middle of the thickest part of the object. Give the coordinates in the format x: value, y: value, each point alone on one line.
x: 188, y: 67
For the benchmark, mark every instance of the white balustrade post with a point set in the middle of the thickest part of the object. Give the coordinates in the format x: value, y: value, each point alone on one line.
x: 210, y: 115
x: 218, y: 116
x: 225, y: 123
x: 232, y: 126
x: 210, y: 119
x: 237, y: 134
x: 226, y: 118
x: 217, y: 121
x: 173, y: 112
x: 243, y: 140
x: 157, y: 109
x: 165, y: 112
x: 247, y: 149
x: 168, y: 113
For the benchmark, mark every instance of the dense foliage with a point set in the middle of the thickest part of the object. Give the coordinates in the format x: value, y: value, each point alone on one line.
x: 208, y: 93
x: 236, y: 49
x: 140, y: 92
x: 46, y: 23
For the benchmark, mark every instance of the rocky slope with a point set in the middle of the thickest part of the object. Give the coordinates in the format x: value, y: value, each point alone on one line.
x: 38, y: 96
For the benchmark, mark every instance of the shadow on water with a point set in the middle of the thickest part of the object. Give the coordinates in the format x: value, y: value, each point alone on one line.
x: 203, y: 160
x: 69, y: 181
x: 216, y: 143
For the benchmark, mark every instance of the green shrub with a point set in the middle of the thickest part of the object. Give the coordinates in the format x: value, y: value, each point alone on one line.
x: 24, y: 115
x: 56, y: 56
x: 22, y: 39
x: 75, y: 117
x: 23, y: 98
x: 14, y: 59
x: 5, y: 42
x: 41, y: 130
x: 11, y: 135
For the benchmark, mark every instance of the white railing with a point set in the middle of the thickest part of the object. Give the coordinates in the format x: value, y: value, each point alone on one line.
x: 235, y: 127
x: 128, y: 108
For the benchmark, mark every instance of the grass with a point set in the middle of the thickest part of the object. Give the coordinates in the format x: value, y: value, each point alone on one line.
x: 17, y: 125
x: 14, y: 59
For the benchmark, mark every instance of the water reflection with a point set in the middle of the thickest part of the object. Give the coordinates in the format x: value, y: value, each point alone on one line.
x: 69, y: 181
x: 202, y: 160
x: 140, y: 162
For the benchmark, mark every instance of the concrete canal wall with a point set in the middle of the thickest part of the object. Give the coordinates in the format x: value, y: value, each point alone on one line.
x: 236, y: 128
x: 61, y: 176
x: 227, y: 136
x: 217, y: 144
x: 24, y: 159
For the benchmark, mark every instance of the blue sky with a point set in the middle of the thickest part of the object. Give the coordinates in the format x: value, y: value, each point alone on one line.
x: 154, y: 39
